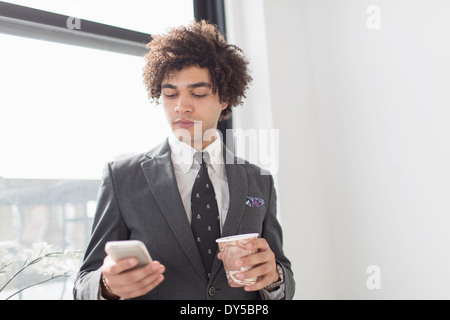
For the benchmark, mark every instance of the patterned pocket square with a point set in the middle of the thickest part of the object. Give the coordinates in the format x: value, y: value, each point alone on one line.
x: 254, y: 202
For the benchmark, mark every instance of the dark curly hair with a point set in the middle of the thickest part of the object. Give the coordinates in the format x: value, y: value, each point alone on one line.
x: 202, y: 45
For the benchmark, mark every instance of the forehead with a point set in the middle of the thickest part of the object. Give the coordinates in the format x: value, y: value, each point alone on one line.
x: 187, y: 76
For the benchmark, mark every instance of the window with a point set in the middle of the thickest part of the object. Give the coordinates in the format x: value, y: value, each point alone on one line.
x: 65, y: 111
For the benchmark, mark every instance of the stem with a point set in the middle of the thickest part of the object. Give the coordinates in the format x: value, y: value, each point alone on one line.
x: 4, y: 266
x: 26, y: 265
x: 35, y: 284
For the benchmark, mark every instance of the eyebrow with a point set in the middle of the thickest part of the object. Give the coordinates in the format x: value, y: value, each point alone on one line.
x: 190, y: 86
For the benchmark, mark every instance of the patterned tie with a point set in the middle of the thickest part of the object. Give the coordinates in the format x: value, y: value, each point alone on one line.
x: 205, y: 214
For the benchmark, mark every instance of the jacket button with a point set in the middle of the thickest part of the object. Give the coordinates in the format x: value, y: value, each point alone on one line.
x: 212, y: 291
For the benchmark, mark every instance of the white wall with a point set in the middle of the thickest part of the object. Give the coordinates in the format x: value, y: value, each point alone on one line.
x: 364, y: 146
x: 280, y: 99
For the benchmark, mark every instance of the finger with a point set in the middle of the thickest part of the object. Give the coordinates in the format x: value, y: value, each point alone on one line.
x: 260, y: 284
x: 258, y: 271
x: 134, y: 276
x: 256, y: 259
x: 143, y: 289
x: 257, y: 244
x: 138, y: 280
x: 111, y: 267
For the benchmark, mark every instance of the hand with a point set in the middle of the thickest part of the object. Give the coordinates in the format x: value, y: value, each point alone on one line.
x: 262, y: 262
x: 127, y: 283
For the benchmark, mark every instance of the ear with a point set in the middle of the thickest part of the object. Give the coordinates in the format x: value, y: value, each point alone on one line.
x: 224, y: 105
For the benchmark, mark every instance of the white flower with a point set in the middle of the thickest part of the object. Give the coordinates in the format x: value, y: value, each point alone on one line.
x: 38, y: 250
x: 41, y: 248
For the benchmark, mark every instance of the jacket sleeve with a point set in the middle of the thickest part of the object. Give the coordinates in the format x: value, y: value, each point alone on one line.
x: 273, y: 234
x: 108, y: 225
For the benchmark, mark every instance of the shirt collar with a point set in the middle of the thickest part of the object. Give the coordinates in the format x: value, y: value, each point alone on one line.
x: 183, y: 154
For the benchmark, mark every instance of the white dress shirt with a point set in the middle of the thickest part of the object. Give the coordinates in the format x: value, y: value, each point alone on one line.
x: 186, y: 169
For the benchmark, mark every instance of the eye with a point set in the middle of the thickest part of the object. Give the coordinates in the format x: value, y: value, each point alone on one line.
x: 169, y: 96
x: 199, y: 95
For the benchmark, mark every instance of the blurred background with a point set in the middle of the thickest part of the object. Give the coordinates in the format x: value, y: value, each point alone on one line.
x: 356, y: 91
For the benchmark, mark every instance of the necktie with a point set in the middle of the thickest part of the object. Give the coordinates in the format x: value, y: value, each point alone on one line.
x: 205, y: 214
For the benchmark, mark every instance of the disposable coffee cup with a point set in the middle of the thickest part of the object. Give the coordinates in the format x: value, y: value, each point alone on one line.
x: 232, y: 249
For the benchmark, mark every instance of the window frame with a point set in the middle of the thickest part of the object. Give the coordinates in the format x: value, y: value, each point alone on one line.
x: 44, y: 25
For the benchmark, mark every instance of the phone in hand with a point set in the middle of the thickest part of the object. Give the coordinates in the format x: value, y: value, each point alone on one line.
x: 119, y: 250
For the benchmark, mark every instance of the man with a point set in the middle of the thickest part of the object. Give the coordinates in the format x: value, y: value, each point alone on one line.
x: 198, y: 78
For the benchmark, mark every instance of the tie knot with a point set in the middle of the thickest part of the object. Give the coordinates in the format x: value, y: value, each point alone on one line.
x: 202, y: 157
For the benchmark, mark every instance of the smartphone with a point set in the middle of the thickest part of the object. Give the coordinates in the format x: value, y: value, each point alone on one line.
x: 119, y: 250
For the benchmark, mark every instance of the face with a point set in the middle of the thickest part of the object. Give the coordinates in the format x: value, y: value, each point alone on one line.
x: 190, y: 106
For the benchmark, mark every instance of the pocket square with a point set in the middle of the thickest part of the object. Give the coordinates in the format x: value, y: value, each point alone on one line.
x: 254, y: 202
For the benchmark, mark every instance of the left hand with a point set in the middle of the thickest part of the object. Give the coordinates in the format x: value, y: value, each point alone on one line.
x: 262, y: 262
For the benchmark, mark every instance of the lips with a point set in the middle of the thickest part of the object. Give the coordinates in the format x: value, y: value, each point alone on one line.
x: 184, y: 123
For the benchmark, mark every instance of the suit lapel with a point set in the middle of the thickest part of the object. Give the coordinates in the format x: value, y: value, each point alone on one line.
x: 160, y: 176
x: 237, y: 186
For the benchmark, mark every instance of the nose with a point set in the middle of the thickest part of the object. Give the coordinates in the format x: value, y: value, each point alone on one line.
x: 184, y: 104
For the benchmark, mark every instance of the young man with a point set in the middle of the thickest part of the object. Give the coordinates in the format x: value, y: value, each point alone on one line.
x: 150, y: 197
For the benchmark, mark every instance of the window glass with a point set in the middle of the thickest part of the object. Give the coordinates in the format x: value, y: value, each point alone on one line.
x: 65, y: 111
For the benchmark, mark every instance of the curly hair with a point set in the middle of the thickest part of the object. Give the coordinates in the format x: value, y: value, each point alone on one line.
x: 198, y: 44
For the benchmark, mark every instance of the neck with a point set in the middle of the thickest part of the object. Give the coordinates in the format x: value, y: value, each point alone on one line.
x: 201, y: 145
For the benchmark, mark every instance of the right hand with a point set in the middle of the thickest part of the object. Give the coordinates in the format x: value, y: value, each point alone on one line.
x: 126, y: 283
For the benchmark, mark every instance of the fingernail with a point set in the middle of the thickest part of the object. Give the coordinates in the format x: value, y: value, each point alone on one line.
x: 132, y: 262
x: 155, y: 266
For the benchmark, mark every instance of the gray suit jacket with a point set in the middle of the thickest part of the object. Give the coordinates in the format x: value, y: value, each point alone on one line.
x: 139, y: 199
